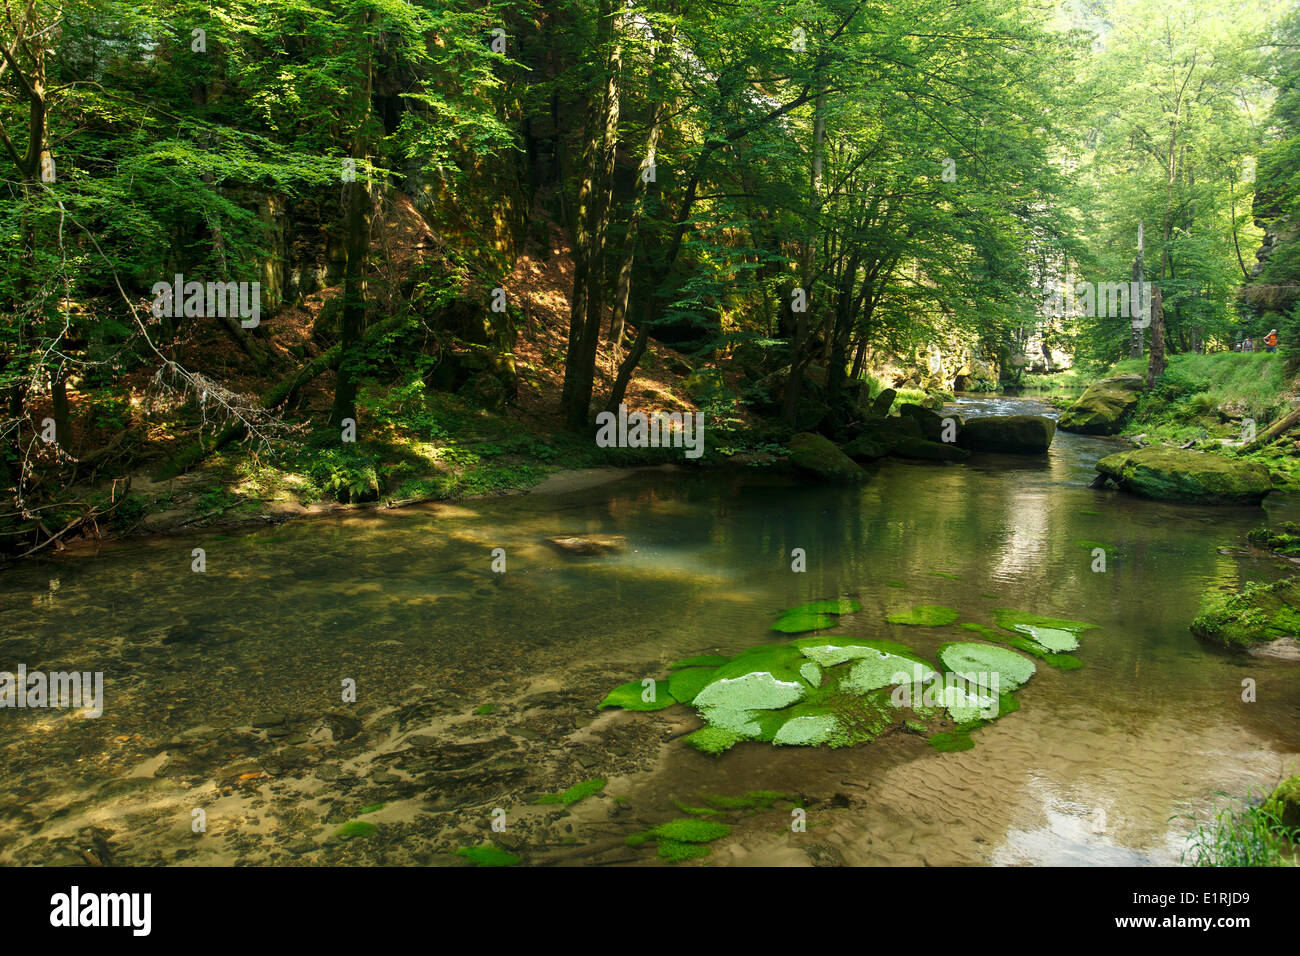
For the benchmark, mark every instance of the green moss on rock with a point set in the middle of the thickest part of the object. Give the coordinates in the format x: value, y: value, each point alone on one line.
x: 1257, y: 614
x: 1104, y: 407
x: 819, y: 457
x: 1181, y: 474
x: 629, y: 696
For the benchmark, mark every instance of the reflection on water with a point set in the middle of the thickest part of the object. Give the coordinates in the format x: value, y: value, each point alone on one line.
x: 1090, y: 770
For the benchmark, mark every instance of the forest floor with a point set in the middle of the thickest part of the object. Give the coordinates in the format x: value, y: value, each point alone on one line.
x: 413, y: 442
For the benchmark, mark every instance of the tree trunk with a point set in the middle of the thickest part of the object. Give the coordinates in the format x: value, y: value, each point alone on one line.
x: 357, y: 220
x: 1156, y: 366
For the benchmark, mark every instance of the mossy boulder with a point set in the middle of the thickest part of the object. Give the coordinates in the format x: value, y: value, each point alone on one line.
x: 1284, y: 802
x: 1181, y: 474
x: 1011, y: 434
x: 1103, y: 408
x: 867, y: 449
x: 1263, y: 619
x: 819, y: 457
x: 883, y: 402
x: 930, y: 422
x: 918, y: 449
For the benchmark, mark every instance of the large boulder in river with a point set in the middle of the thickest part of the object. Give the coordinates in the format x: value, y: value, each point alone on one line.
x: 930, y: 422
x: 818, y: 456
x: 1180, y: 474
x: 875, y: 437
x: 1102, y: 409
x: 1012, y: 434
x: 883, y: 402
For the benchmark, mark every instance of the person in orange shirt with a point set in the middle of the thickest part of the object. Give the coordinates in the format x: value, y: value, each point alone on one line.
x: 1270, y: 341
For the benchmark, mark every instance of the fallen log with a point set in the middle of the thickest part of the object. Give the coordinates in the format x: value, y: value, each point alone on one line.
x: 1283, y: 424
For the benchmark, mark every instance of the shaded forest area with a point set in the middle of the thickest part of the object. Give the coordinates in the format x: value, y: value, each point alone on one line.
x: 263, y: 256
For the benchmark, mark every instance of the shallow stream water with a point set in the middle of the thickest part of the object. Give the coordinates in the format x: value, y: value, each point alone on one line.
x: 224, y: 689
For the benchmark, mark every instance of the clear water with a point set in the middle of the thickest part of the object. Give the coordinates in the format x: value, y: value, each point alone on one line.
x: 1101, y: 765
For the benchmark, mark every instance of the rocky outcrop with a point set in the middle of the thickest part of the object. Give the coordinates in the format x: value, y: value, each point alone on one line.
x: 1010, y: 434
x: 929, y: 421
x: 818, y: 457
x: 1104, y: 407
x: 1180, y: 474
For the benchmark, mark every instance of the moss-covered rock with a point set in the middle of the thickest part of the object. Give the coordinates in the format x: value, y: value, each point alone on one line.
x: 1010, y: 434
x: 930, y: 422
x: 1263, y: 619
x: 819, y: 457
x: 1103, y: 408
x: 1284, y: 802
x: 1180, y: 474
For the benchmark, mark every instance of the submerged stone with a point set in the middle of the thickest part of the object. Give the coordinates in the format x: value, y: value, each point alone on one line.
x: 589, y: 544
x: 1262, y: 619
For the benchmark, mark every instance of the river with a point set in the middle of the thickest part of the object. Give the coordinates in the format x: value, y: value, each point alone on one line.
x: 226, y: 736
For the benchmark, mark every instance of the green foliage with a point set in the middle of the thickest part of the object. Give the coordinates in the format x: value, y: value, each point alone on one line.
x: 1243, y: 835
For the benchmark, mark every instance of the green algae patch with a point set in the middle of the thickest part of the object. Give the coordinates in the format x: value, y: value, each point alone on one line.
x: 895, y: 584
x: 372, y: 808
x: 966, y: 657
x: 1055, y: 635
x: 633, y: 694
x: 575, y: 793
x: 1065, y: 662
x: 753, y: 800
x: 801, y: 621
x: 674, y: 852
x: 925, y: 615
x: 713, y: 740
x: 707, y: 660
x: 814, y: 616
x: 952, y: 741
x: 488, y: 855
x: 1009, y: 618
x: 685, y: 683
x: 983, y: 630
x: 945, y: 574
x: 356, y: 829
x: 682, y: 839
x: 485, y: 710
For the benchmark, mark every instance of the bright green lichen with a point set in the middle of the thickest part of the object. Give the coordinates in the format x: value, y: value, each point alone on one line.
x: 487, y: 855
x: 575, y: 793
x: 925, y: 615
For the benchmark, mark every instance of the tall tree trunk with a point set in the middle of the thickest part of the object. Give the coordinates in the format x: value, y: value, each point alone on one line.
x: 789, y: 408
x: 357, y: 245
x: 1156, y: 366
x: 588, y: 303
